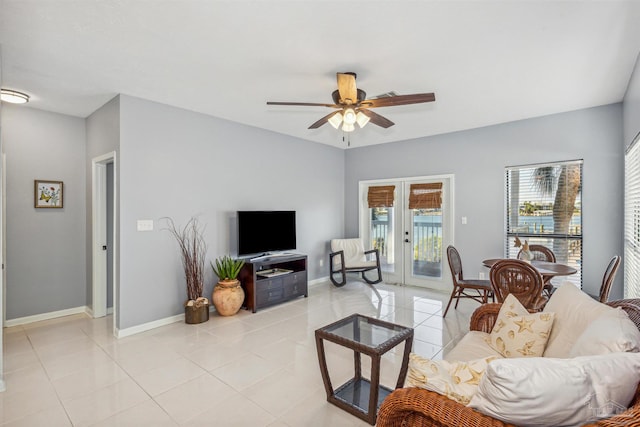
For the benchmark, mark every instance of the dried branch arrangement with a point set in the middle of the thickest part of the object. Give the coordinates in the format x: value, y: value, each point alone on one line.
x: 193, y: 250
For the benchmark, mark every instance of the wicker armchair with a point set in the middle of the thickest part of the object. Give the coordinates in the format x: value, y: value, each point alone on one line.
x: 417, y: 407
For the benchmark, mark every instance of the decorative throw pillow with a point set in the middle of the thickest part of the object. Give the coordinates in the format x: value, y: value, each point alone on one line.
x: 610, y: 332
x: 542, y: 391
x: 456, y: 380
x: 574, y: 311
x: 517, y: 333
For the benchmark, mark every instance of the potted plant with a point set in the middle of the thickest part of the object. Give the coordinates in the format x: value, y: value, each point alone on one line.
x: 228, y: 294
x: 193, y: 250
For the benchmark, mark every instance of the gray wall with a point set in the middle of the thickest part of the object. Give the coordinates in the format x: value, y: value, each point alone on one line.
x: 180, y: 164
x: 45, y: 247
x: 478, y: 157
x: 631, y: 104
x: 175, y: 163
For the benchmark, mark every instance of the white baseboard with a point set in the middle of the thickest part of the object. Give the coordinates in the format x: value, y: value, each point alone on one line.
x: 318, y: 281
x: 89, y: 311
x: 121, y: 333
x: 46, y: 316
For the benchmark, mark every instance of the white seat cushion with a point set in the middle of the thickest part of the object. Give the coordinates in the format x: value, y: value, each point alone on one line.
x: 473, y: 345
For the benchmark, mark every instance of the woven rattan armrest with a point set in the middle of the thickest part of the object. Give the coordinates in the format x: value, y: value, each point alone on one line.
x: 417, y: 407
x: 484, y: 317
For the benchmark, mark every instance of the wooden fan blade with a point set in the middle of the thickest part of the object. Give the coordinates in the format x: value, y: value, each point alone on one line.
x: 303, y: 104
x: 347, y: 88
x: 377, y: 119
x: 323, y: 120
x: 389, y: 101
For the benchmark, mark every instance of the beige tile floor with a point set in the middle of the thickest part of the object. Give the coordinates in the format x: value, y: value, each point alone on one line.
x: 247, y: 370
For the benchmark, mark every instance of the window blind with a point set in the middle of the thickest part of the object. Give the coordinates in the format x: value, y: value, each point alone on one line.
x: 425, y: 196
x: 544, y: 206
x: 632, y: 220
x: 381, y: 196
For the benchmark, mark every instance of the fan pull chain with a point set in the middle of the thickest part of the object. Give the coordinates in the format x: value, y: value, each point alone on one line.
x: 348, y: 138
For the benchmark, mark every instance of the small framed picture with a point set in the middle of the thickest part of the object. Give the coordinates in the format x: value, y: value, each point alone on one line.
x: 48, y: 194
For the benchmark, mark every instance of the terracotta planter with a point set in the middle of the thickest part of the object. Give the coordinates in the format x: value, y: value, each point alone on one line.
x: 227, y: 297
x: 196, y: 311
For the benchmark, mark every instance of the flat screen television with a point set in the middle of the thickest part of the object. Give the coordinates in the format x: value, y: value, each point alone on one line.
x: 260, y: 232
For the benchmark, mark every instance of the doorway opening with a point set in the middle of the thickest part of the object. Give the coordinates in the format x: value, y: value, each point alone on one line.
x: 104, y: 237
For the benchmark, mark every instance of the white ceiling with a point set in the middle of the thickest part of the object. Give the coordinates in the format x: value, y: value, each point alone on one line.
x: 488, y: 62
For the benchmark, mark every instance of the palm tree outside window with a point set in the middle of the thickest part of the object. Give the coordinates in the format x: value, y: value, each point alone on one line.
x: 544, y: 207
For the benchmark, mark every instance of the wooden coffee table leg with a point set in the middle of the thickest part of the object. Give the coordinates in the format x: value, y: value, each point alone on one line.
x: 322, y: 360
x: 375, y: 389
x: 405, y: 361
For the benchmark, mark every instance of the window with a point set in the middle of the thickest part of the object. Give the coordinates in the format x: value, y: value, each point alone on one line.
x: 632, y: 220
x: 544, y: 207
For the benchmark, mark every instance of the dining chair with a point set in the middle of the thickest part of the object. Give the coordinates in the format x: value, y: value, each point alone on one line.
x: 460, y: 285
x: 607, y: 279
x: 542, y: 253
x: 520, y: 278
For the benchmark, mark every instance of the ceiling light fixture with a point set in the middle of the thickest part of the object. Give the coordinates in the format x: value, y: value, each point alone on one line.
x: 348, y: 118
x: 362, y: 119
x: 13, y: 96
x: 347, y: 127
x: 335, y: 120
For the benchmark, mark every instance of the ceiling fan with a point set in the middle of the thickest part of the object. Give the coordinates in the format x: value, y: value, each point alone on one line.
x: 352, y: 107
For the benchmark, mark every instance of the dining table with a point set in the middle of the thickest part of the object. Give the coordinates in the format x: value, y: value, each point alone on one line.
x: 547, y: 269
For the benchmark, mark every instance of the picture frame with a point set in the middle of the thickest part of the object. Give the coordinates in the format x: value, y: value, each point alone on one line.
x: 48, y: 193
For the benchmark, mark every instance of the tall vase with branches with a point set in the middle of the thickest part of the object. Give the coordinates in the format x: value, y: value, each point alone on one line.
x: 193, y: 250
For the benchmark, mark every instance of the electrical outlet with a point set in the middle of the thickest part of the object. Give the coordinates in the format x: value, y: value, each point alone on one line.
x: 481, y: 275
x: 321, y: 262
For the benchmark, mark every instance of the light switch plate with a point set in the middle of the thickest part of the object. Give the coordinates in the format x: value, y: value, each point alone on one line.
x: 145, y: 225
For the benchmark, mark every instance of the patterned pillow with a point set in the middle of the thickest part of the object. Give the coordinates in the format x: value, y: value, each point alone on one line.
x: 517, y: 333
x: 456, y: 380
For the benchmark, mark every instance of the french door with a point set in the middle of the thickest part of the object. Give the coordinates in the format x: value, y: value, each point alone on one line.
x: 410, y: 221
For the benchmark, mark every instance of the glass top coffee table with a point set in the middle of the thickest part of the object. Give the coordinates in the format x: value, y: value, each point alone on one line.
x: 364, y: 335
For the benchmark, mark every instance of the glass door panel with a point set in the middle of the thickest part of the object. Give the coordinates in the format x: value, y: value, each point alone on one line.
x: 428, y: 231
x: 381, y: 231
x: 427, y: 243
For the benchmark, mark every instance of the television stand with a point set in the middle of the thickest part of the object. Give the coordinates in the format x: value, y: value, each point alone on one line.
x: 268, y: 255
x: 273, y: 279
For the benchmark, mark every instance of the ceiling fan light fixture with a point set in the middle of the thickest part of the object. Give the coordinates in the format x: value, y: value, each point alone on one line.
x: 349, y: 116
x: 347, y: 127
x: 335, y: 120
x: 13, y: 96
x: 362, y: 119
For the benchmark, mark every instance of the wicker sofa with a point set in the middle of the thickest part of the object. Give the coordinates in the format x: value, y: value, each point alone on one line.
x: 419, y: 407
